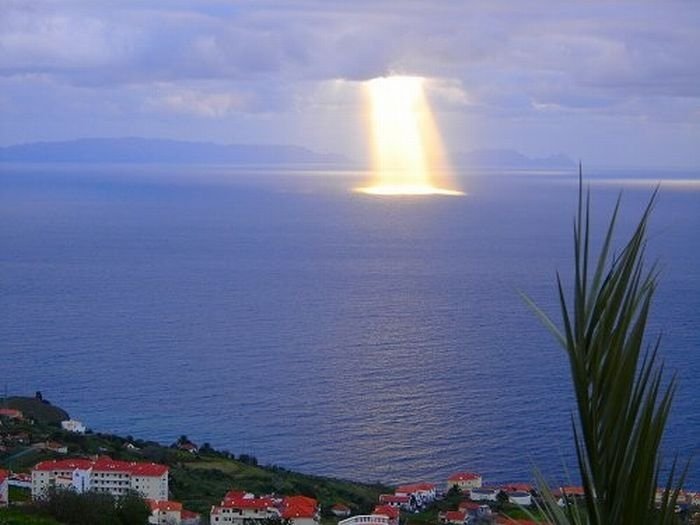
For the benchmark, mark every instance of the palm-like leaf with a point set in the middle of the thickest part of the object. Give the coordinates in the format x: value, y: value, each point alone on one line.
x: 623, y: 402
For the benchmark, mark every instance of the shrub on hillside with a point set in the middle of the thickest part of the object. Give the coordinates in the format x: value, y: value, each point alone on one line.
x: 72, y: 508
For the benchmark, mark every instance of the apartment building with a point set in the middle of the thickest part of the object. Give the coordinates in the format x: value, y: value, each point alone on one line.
x: 101, y: 475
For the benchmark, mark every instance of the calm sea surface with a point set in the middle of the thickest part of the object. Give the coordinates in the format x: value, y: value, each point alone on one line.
x: 276, y: 313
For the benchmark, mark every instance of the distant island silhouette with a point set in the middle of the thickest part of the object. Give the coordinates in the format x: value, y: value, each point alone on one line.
x: 137, y: 150
x: 144, y: 150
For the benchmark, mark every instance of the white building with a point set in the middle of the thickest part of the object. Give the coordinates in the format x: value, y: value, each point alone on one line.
x: 170, y: 513
x: 421, y: 493
x: 366, y: 519
x: 465, y: 481
x: 244, y: 508
x: 101, y: 475
x: 23, y: 481
x: 4, y: 488
x: 73, y: 425
x: 165, y: 512
x: 483, y: 494
x: 238, y: 508
x: 520, y: 498
x: 400, y: 502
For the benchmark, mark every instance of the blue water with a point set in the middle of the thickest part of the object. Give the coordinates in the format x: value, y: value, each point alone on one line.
x: 276, y: 313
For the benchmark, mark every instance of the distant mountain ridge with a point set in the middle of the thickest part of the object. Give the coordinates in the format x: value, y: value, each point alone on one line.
x: 508, y: 158
x: 141, y: 150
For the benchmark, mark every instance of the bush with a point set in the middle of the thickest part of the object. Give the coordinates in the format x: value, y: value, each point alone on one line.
x: 72, y: 508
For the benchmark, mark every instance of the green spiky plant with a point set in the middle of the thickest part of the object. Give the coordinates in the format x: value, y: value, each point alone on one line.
x: 622, y: 398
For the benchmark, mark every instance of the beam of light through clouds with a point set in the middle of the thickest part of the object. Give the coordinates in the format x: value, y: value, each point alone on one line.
x: 408, y: 154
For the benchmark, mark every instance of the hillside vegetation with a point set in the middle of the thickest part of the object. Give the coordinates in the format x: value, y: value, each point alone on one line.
x: 198, y: 480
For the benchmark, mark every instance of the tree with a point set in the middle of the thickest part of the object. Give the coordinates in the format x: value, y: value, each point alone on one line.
x: 622, y: 396
x: 72, y: 508
x: 89, y: 508
x: 131, y: 508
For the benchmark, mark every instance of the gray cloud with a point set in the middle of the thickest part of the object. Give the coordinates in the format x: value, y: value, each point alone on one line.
x: 214, y: 60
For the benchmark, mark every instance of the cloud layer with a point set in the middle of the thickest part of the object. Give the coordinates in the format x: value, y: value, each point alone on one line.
x: 531, y: 75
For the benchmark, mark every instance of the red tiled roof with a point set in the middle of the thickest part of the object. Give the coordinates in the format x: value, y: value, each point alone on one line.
x: 570, y: 491
x: 415, y: 487
x: 393, y: 498
x: 299, y: 507
x: 340, y: 506
x: 21, y: 477
x: 247, y: 503
x: 517, y: 487
x: 300, y: 500
x: 164, y: 505
x: 464, y: 476
x: 148, y: 469
x: 10, y: 412
x: 107, y: 464
x: 104, y: 464
x: 4, y: 474
x: 64, y: 464
x: 386, y: 510
x: 455, y: 515
x: 188, y: 515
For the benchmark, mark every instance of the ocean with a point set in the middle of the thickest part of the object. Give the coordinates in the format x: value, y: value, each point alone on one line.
x: 274, y: 312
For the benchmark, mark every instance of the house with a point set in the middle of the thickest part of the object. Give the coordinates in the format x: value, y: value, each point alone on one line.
x: 469, y: 506
x: 484, y: 494
x: 23, y: 481
x: 73, y: 425
x: 300, y: 510
x: 464, y: 481
x: 570, y: 493
x: 241, y: 508
x: 475, y: 510
x: 4, y: 488
x: 520, y: 498
x: 694, y: 499
x: 341, y: 511
x: 455, y: 517
x: 683, y: 497
x: 390, y: 512
x: 517, y: 487
x: 11, y: 413
x: 420, y: 493
x: 101, y: 475
x: 188, y: 446
x: 53, y: 446
x: 164, y: 512
x: 400, y: 502
x: 170, y: 513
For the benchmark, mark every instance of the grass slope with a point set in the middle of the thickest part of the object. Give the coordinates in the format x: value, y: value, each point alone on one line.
x: 38, y: 410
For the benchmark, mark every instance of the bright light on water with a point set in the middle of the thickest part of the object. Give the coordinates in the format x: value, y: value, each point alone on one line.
x: 408, y: 157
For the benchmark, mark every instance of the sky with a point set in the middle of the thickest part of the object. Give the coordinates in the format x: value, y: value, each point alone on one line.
x: 611, y: 83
